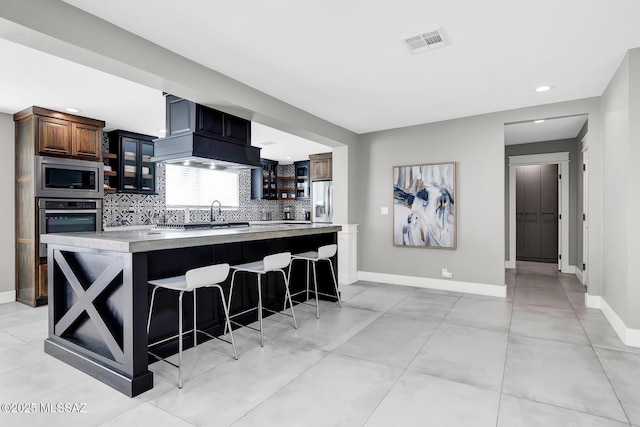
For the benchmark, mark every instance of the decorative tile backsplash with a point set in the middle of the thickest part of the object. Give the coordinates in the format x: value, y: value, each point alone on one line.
x: 140, y: 209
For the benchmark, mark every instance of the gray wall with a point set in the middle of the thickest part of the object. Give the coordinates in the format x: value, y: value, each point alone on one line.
x: 477, y: 147
x: 7, y: 195
x: 621, y: 200
x: 566, y: 145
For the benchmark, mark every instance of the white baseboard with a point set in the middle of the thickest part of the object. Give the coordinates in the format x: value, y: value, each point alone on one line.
x: 440, y: 284
x: 509, y: 264
x: 592, y: 301
x: 7, y: 296
x: 628, y: 336
x: 579, y: 275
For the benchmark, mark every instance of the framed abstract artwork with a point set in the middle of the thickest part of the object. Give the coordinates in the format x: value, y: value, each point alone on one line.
x: 424, y: 206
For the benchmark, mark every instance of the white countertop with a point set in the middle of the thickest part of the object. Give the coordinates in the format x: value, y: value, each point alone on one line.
x: 145, y: 240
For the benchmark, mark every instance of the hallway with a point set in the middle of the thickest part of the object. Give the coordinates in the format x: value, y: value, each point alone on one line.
x: 393, y: 355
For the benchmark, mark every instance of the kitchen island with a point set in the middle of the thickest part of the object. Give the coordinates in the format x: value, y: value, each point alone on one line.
x: 99, y: 293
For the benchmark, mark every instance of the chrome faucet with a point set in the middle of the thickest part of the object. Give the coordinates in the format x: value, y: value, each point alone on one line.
x: 219, y: 212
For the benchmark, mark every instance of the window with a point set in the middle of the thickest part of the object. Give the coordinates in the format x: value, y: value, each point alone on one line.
x: 193, y: 187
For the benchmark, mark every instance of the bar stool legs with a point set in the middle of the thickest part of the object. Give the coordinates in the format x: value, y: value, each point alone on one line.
x: 324, y: 253
x: 270, y: 263
x: 210, y: 277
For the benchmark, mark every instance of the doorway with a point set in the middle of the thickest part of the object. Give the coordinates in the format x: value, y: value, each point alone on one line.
x: 562, y: 161
x: 537, y: 213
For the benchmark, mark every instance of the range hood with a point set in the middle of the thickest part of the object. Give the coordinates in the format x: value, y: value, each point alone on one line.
x: 203, y: 137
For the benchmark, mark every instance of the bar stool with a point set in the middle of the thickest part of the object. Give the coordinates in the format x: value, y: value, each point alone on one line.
x: 324, y: 253
x: 210, y: 276
x: 275, y: 262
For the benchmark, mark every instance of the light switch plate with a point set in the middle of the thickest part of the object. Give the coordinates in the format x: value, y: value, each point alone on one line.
x: 384, y: 210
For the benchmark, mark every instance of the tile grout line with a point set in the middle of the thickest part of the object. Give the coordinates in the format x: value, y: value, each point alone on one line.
x: 506, y: 351
x: 595, y: 353
x: 327, y: 354
x: 404, y: 371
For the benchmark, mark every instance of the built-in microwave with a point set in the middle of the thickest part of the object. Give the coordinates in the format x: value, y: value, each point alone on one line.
x: 68, y: 178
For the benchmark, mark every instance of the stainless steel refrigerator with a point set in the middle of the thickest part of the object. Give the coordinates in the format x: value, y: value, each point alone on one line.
x: 322, y: 201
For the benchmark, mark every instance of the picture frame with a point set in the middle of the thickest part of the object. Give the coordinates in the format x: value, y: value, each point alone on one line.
x: 425, y: 206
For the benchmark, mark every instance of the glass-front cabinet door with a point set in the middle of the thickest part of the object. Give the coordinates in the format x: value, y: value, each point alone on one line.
x: 148, y: 168
x: 136, y: 170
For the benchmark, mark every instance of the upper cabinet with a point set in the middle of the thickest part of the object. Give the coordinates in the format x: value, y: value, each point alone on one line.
x: 131, y: 164
x: 264, y: 182
x: 301, y: 170
x: 321, y: 167
x: 187, y: 116
x: 64, y: 135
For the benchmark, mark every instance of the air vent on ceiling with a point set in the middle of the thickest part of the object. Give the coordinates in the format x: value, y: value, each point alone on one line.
x: 425, y: 41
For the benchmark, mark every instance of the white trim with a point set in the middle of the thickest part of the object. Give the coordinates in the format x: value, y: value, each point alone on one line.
x: 7, y: 296
x: 579, y: 274
x: 429, y: 283
x: 571, y: 269
x: 348, y: 254
x: 510, y: 264
x: 562, y: 159
x: 628, y: 336
x: 592, y: 301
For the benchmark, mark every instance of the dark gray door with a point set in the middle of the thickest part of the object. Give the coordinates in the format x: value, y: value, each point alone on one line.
x: 537, y: 213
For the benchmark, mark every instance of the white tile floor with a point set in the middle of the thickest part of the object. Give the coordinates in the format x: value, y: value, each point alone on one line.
x: 392, y: 356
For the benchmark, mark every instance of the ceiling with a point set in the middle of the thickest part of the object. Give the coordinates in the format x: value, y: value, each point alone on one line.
x: 544, y: 130
x: 345, y: 61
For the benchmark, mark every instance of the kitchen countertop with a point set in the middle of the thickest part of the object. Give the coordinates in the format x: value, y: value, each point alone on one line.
x: 146, y: 240
x: 147, y: 226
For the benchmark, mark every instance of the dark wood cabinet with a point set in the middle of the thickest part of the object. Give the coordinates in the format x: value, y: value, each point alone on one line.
x: 86, y: 141
x: 54, y: 136
x: 302, y: 184
x: 264, y: 182
x: 321, y: 168
x: 132, y: 170
x: 40, y: 131
x: 66, y: 135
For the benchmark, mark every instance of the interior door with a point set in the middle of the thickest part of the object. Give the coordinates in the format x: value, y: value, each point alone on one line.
x: 531, y: 227
x: 537, y: 213
x: 549, y: 212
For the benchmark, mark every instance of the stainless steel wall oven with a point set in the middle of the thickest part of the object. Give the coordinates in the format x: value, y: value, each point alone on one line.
x: 68, y: 216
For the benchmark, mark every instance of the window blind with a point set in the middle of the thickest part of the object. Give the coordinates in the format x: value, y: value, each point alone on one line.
x: 198, y: 187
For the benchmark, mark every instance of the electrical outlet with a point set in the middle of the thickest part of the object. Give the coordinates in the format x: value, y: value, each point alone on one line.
x: 384, y: 210
x: 446, y: 273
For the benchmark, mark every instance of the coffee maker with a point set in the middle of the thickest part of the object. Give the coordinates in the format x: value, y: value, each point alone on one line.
x: 287, y: 212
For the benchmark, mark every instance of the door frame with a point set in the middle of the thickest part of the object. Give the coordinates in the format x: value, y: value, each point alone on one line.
x: 562, y: 160
x: 585, y: 209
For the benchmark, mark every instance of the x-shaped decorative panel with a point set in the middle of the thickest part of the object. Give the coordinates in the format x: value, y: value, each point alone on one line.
x: 85, y: 302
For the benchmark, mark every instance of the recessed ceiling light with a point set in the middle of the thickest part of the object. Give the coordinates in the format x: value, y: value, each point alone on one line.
x: 543, y: 88
x: 162, y: 130
x: 72, y: 110
x: 186, y: 163
x: 539, y: 121
x: 287, y: 158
